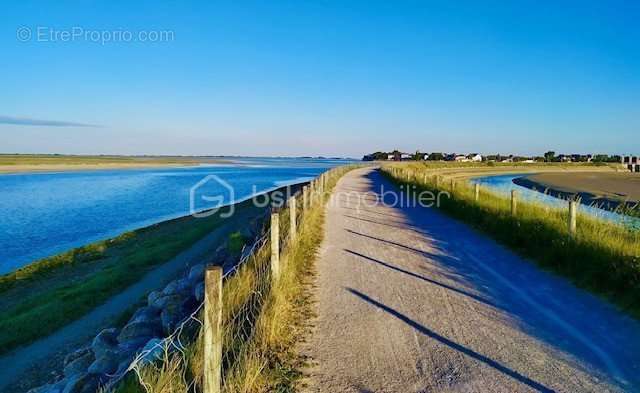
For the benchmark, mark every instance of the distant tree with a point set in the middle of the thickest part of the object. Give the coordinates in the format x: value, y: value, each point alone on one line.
x: 550, y: 156
x: 418, y: 156
x: 436, y: 156
x: 539, y: 159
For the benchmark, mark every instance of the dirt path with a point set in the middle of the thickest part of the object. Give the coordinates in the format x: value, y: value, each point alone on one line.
x: 410, y: 300
x: 26, y: 366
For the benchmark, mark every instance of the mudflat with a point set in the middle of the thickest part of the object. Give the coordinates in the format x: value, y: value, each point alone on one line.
x: 616, y: 186
x: 18, y: 163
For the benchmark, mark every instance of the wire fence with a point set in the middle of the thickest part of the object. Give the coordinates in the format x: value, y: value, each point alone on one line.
x: 176, y: 363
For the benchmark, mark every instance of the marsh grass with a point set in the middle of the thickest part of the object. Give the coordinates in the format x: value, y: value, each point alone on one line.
x: 262, y: 321
x: 603, y: 257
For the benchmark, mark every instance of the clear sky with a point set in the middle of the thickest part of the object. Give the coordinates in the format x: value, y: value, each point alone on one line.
x: 320, y: 77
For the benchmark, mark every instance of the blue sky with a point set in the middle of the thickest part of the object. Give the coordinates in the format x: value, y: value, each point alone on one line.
x: 322, y: 77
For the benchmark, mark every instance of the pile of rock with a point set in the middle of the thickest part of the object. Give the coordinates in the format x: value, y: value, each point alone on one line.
x: 112, y: 350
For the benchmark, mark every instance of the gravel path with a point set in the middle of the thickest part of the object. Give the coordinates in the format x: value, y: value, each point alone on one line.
x: 409, y: 300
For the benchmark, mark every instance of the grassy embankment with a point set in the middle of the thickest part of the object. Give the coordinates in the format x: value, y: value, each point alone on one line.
x: 603, y: 257
x: 45, y: 295
x: 261, y: 323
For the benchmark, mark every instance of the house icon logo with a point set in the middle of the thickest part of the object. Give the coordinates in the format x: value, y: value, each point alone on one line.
x: 209, y: 195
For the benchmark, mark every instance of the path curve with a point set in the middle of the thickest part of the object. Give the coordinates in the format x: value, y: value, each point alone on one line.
x: 410, y: 300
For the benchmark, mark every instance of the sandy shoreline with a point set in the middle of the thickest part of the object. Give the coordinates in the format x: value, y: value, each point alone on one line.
x: 606, y: 190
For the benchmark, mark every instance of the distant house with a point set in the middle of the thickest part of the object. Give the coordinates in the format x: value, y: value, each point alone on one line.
x: 564, y: 158
x: 461, y: 158
x: 475, y: 157
x: 390, y: 157
x: 528, y: 161
x: 405, y: 157
x: 425, y: 157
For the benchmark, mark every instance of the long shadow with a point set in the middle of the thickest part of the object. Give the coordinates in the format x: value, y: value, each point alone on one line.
x: 402, y: 246
x: 419, y: 277
x: 409, y: 227
x: 453, y: 345
x: 561, y: 315
x: 373, y: 212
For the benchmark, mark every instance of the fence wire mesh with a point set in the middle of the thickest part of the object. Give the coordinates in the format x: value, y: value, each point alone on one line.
x: 176, y: 363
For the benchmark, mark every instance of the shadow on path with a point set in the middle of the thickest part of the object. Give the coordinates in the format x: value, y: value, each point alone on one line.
x: 453, y: 345
x: 445, y: 286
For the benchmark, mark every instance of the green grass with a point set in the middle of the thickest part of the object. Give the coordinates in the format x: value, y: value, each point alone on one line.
x: 603, y: 257
x: 261, y: 322
x: 49, y: 294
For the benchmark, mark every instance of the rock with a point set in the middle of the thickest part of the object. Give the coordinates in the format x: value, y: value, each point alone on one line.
x: 199, y: 292
x: 153, y: 297
x: 155, y: 348
x: 76, y: 354
x: 171, y: 316
x: 105, y: 364
x: 85, y: 383
x: 106, y: 341
x: 50, y: 388
x: 135, y: 331
x: 161, y: 302
x: 79, y: 364
x: 196, y: 273
x: 145, y: 314
x: 177, y: 287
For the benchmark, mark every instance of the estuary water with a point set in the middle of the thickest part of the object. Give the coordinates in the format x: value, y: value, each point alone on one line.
x: 503, y: 184
x: 43, y: 214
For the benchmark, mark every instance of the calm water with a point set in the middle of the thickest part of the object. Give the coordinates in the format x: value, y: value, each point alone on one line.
x: 503, y: 184
x: 47, y: 213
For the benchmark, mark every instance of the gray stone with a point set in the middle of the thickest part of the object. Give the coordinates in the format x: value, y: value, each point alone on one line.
x: 155, y: 348
x: 79, y: 365
x: 153, y: 297
x: 50, y: 388
x: 161, y: 302
x: 85, y: 383
x: 145, y: 314
x: 136, y: 331
x: 199, y: 292
x: 171, y: 315
x: 177, y: 287
x: 105, y: 341
x: 196, y: 273
x: 105, y: 364
x: 76, y: 354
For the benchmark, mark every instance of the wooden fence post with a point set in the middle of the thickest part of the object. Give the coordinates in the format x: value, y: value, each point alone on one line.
x: 514, y: 202
x: 305, y: 197
x: 275, y: 246
x: 573, y: 208
x: 213, y: 330
x: 292, y: 218
x: 476, y: 192
x: 453, y: 185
